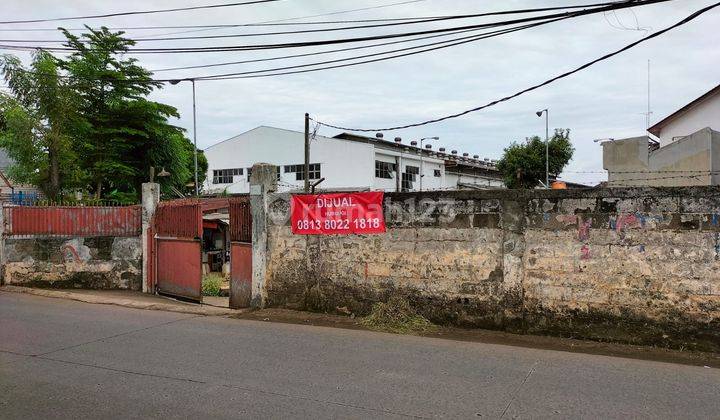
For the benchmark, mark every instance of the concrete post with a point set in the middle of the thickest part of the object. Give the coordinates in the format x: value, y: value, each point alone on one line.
x: 150, y: 200
x: 262, y: 182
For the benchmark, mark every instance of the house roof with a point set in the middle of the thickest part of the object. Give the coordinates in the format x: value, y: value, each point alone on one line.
x: 655, y: 129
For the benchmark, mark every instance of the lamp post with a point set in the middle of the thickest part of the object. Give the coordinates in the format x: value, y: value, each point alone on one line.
x: 422, y: 173
x: 195, y: 155
x: 547, y: 146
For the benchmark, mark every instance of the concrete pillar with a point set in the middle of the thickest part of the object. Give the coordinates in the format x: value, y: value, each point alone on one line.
x: 513, y: 226
x: 263, y: 181
x: 150, y: 200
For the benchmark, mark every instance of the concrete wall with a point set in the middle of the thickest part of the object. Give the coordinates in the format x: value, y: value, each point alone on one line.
x: 631, y: 265
x: 701, y: 115
x: 88, y: 263
x: 686, y: 162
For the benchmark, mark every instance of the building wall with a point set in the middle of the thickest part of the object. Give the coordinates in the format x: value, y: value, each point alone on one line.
x: 704, y: 114
x: 86, y: 263
x: 689, y: 161
x: 343, y: 163
x: 637, y: 265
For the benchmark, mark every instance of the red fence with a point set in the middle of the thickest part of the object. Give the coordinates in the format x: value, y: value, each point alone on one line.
x: 73, y: 221
x: 240, y: 220
x: 179, y: 219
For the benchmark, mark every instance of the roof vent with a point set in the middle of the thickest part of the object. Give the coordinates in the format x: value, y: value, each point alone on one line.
x: 487, y: 160
x: 413, y: 143
x: 442, y: 149
x: 476, y: 156
x: 466, y: 154
x: 454, y: 152
x: 379, y: 135
x: 428, y: 146
x: 398, y: 139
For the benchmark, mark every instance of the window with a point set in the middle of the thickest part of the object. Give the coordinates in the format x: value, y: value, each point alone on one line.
x: 384, y: 169
x: 299, y: 171
x: 225, y: 176
x: 437, y: 173
x: 249, y: 172
x: 409, y: 176
x: 407, y: 181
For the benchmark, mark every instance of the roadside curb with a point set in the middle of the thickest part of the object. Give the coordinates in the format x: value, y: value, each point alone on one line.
x: 186, y: 308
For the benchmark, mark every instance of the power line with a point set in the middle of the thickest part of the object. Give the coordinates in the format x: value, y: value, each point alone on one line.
x: 345, y: 28
x: 537, y: 86
x: 435, y: 46
x: 452, y: 42
x: 142, y: 12
x: 612, y: 6
x: 284, y: 57
x: 277, y: 22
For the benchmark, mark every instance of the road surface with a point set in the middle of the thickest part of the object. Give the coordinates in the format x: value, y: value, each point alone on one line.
x: 66, y: 359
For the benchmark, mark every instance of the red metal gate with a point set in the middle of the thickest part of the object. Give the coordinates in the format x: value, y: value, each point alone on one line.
x: 178, y: 249
x: 240, y: 252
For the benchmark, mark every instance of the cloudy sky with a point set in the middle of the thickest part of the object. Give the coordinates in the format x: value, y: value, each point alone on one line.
x: 607, y: 100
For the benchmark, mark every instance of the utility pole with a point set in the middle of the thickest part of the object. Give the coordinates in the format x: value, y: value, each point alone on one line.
x: 307, y: 153
x: 547, y: 149
x: 195, y: 154
x: 197, y: 187
x: 547, y: 145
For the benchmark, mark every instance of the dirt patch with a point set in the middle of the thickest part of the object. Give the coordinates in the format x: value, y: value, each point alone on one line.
x: 497, y: 337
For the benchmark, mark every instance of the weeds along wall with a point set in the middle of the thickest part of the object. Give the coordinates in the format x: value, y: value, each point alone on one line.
x: 637, y: 265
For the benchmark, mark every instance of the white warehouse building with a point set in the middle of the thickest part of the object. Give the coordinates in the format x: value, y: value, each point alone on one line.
x: 348, y: 162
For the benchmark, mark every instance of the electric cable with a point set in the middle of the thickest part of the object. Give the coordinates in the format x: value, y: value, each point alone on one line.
x: 583, y: 12
x: 684, y: 21
x: 435, y: 46
x: 345, y: 28
x: 141, y: 12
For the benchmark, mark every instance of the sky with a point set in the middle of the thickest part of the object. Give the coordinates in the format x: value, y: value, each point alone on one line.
x: 608, y: 100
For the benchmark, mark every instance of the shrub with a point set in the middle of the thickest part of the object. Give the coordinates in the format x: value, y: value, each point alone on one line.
x: 396, y: 316
x: 211, y: 284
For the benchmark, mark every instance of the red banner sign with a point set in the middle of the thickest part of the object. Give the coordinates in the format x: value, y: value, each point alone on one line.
x: 333, y: 214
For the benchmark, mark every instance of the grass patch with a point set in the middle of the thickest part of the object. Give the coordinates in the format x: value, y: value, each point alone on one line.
x: 397, y: 316
x: 211, y: 284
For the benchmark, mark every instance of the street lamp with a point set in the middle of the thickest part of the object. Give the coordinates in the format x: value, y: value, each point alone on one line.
x: 547, y: 146
x: 195, y: 157
x: 422, y: 173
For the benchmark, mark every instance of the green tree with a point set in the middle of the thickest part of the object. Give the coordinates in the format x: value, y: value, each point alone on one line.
x: 38, y: 125
x: 523, y: 164
x: 126, y: 133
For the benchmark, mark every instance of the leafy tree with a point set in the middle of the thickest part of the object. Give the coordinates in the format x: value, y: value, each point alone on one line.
x: 523, y: 164
x: 126, y: 133
x: 39, y: 123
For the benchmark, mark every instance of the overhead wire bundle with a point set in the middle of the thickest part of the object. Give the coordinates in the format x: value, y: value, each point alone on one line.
x: 450, y: 36
x: 479, y: 31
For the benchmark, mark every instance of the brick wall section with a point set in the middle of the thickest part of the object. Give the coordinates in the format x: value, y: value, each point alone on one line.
x: 87, y: 263
x: 636, y: 265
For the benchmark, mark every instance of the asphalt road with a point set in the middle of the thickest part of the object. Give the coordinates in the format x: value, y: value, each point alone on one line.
x: 66, y: 359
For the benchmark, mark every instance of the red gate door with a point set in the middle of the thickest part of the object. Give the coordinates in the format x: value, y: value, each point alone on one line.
x: 240, y: 253
x: 178, y: 249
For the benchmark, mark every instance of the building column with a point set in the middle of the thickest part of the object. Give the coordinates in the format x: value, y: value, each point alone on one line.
x: 150, y: 200
x: 263, y: 181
